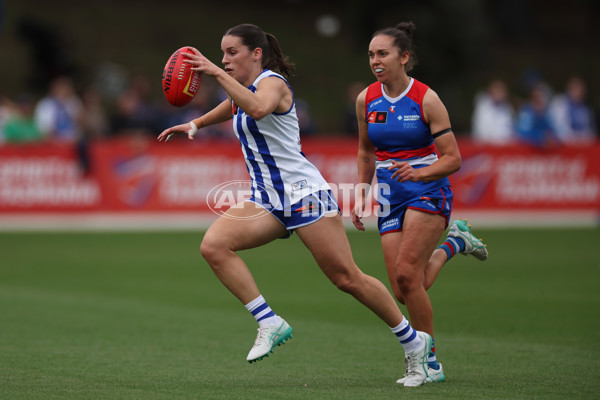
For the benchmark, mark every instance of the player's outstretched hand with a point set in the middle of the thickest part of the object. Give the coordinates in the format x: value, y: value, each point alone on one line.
x: 188, y: 128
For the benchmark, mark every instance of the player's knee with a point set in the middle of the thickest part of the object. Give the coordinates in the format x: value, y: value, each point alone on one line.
x: 211, y: 249
x: 406, y: 281
x: 345, y: 283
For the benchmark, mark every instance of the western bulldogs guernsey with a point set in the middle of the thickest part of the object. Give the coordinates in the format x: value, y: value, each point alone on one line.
x: 398, y: 132
x: 280, y: 173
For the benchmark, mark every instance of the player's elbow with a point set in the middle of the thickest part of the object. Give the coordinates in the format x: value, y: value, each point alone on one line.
x: 258, y: 113
x: 457, y: 164
x: 453, y: 162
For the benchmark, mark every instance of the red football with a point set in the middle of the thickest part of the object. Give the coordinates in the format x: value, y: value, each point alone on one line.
x: 180, y: 84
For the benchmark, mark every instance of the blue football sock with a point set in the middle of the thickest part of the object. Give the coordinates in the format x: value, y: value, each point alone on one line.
x: 452, y: 246
x: 407, y: 336
x: 262, y: 312
x: 432, y: 359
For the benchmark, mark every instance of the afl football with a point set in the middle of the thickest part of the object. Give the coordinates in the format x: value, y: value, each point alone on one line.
x: 180, y: 84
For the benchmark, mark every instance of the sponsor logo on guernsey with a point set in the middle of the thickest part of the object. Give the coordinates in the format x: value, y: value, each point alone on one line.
x: 413, y: 117
x: 299, y: 185
x: 377, y: 117
x: 375, y: 103
x: 392, y: 109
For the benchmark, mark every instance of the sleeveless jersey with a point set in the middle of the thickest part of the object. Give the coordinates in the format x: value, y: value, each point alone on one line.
x: 281, y: 175
x: 398, y: 131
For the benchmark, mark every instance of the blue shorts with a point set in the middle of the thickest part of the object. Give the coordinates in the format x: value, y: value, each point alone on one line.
x: 304, y: 212
x: 438, y: 201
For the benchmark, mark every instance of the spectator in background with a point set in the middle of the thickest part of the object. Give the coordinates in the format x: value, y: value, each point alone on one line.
x: 131, y: 116
x: 135, y: 114
x: 572, y: 117
x: 534, y: 125
x: 59, y: 114
x: 532, y: 78
x: 95, y: 123
x: 19, y: 125
x: 494, y: 117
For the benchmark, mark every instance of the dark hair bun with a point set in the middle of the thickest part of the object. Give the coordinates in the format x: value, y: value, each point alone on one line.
x: 407, y: 27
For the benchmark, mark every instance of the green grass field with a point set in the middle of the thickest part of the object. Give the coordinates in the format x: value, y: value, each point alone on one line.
x: 141, y: 316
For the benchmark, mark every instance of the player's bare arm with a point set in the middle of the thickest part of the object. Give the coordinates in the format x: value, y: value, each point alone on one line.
x: 220, y: 113
x: 365, y: 160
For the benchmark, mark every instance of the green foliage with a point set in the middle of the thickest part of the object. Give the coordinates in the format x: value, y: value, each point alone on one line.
x: 141, y: 316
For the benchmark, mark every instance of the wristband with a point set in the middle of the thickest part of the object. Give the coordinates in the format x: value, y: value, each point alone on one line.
x: 194, y: 128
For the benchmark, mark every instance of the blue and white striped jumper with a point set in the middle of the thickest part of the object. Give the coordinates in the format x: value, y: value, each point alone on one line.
x: 281, y: 175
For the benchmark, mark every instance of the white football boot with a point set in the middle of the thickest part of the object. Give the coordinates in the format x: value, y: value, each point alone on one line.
x: 433, y: 375
x: 416, y: 362
x: 267, y: 339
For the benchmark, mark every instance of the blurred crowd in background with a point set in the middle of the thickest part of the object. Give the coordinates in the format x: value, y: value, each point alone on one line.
x: 93, y: 71
x: 546, y: 117
x: 69, y: 114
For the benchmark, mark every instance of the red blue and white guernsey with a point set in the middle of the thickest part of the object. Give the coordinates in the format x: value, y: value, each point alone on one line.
x: 398, y: 131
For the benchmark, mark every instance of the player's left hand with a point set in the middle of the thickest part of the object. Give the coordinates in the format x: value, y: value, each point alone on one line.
x: 167, y: 134
x: 404, y: 172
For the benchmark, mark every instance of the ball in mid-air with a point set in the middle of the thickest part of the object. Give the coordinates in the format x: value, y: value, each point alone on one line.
x: 180, y: 84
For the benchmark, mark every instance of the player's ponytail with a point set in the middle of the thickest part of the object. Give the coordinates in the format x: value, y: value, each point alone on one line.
x: 403, y: 39
x: 276, y: 60
x: 272, y: 57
